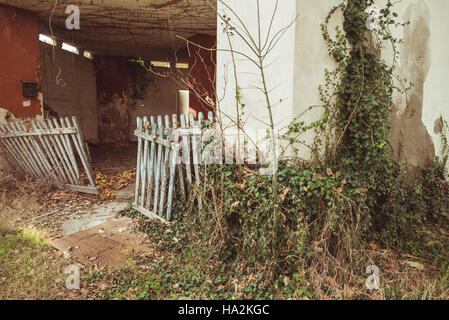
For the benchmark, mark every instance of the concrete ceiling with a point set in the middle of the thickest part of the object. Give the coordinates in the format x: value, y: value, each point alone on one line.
x: 122, y: 26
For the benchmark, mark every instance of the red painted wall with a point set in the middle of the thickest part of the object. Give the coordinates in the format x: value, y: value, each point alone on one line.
x: 19, y: 60
x: 202, y: 70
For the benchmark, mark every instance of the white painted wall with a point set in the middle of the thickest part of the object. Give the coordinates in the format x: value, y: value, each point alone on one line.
x: 299, y: 61
x: 436, y: 93
x: 311, y: 59
x: 160, y: 99
x: 279, y: 71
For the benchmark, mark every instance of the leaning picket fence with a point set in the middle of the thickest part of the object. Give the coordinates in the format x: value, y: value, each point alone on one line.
x: 167, y: 149
x: 49, y: 149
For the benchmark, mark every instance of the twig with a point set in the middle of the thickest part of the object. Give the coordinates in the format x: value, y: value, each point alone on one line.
x: 47, y: 214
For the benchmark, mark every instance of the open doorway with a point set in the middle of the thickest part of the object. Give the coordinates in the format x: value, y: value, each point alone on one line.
x: 142, y: 62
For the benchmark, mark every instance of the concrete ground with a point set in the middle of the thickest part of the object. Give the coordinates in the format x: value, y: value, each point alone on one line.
x: 89, y: 228
x: 109, y: 243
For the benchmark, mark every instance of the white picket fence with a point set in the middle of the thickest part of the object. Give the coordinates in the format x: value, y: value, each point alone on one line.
x: 159, y: 147
x: 49, y: 149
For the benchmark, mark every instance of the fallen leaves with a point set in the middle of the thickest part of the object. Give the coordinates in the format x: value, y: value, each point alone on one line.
x: 107, y: 183
x: 235, y: 204
x: 284, y: 193
x: 415, y: 265
x: 332, y: 281
x: 374, y: 246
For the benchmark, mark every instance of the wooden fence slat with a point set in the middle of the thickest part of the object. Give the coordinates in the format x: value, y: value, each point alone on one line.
x: 50, y: 153
x: 139, y: 159
x: 12, y: 156
x: 79, y: 146
x: 171, y: 183
x: 68, y: 145
x: 158, y: 166
x: 178, y: 165
x: 38, y: 132
x: 15, y: 153
x: 164, y: 167
x: 154, y: 123
x: 19, y: 149
x: 59, y: 150
x: 186, y: 149
x: 60, y: 142
x: 35, y: 149
x: 40, y: 156
x: 144, y: 164
x: 151, y: 165
x: 23, y: 149
x: 84, y: 153
x: 8, y: 153
x: 28, y: 153
x: 196, y: 156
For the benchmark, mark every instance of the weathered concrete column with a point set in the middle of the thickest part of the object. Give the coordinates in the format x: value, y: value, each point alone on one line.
x: 278, y: 63
x: 113, y: 116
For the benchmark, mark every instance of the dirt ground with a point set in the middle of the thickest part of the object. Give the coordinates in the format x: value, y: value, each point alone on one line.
x: 113, y: 160
x: 114, y: 172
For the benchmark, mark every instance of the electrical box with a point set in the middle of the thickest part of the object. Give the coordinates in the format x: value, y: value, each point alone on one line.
x: 29, y: 89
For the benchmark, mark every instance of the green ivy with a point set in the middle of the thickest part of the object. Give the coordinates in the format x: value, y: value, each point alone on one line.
x: 327, y: 208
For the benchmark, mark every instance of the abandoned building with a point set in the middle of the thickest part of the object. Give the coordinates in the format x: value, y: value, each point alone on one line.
x: 50, y: 71
x: 130, y: 59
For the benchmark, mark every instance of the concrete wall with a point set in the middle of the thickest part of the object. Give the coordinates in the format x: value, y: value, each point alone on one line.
x: 297, y: 68
x: 279, y: 73
x: 74, y: 91
x: 415, y: 133
x: 160, y: 99
x: 19, y: 60
x: 112, y: 97
x: 424, y: 62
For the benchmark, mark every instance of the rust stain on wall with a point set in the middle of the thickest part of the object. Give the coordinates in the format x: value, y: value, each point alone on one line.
x: 20, y: 60
x: 409, y: 137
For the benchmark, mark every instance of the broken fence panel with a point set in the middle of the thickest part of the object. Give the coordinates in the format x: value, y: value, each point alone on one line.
x: 158, y: 154
x: 49, y: 149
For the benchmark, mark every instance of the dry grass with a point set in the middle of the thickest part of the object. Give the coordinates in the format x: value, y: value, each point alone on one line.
x: 402, y: 277
x: 19, y: 199
x: 29, y: 267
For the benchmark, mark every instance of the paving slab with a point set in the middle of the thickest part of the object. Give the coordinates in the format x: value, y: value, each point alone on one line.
x: 109, y: 243
x: 98, y: 214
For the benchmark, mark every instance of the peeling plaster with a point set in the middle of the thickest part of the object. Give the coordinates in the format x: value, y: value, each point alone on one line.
x: 438, y: 126
x: 409, y: 137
